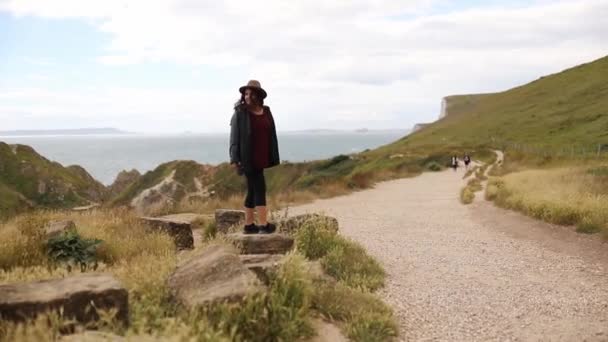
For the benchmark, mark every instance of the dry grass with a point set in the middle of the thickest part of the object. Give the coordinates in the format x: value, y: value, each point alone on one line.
x: 142, y: 261
x: 568, y: 196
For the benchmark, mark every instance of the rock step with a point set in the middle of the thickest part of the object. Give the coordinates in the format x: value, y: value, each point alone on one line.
x: 72, y: 295
x: 261, y: 243
x: 214, y: 274
x: 180, y: 231
x: 226, y: 218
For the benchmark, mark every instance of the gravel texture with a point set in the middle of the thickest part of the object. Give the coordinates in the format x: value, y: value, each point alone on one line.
x: 477, y: 272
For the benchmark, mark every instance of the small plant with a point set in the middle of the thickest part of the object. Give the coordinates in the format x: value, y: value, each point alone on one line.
x: 433, y: 166
x: 72, y: 249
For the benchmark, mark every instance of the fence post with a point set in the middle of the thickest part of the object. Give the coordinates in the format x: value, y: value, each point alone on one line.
x: 599, y: 150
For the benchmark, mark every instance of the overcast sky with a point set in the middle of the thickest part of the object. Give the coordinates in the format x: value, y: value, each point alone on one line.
x: 175, y: 65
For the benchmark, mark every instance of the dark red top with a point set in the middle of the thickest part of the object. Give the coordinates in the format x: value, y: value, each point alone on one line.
x: 260, y: 136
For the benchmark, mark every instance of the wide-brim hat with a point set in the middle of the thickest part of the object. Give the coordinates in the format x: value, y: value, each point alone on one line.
x: 255, y: 85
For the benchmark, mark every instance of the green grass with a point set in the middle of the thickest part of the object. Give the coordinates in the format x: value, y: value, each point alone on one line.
x: 555, y: 111
x: 340, y: 257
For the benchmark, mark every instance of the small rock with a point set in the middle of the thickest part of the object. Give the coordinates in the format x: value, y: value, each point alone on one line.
x: 326, y: 332
x: 56, y: 228
x: 73, y: 295
x: 215, y: 274
x: 261, y: 243
x: 180, y: 231
x: 226, y: 218
x: 262, y: 264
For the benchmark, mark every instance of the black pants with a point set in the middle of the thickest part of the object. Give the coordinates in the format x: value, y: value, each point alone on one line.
x: 256, y: 189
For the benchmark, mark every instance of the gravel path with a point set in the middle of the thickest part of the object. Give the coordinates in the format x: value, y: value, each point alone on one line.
x: 477, y: 272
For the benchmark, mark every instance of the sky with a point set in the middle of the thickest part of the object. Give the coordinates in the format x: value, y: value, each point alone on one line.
x: 176, y: 65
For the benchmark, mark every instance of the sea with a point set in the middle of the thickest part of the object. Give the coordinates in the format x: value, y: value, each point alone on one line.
x: 105, y: 155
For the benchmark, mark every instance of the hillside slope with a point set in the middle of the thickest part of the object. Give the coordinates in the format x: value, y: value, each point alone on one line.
x: 570, y: 107
x: 28, y: 180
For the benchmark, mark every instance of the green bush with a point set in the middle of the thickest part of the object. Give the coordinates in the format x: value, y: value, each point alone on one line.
x: 341, y: 258
x: 366, y: 317
x: 433, y: 166
x: 70, y: 248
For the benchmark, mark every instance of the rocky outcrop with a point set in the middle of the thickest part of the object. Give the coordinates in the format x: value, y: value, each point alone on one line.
x: 226, y: 218
x: 261, y: 243
x: 123, y: 180
x: 166, y: 185
x: 215, y: 274
x: 71, y: 296
x: 180, y: 231
x: 419, y: 126
x: 292, y: 224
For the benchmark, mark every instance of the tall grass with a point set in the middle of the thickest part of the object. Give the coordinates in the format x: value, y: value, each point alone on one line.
x: 142, y: 261
x: 568, y: 196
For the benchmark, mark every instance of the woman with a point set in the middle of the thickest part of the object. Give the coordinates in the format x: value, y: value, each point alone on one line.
x: 454, y: 162
x: 253, y: 148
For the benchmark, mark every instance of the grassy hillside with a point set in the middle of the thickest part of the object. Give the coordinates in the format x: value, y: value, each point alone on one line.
x: 27, y: 179
x: 570, y: 107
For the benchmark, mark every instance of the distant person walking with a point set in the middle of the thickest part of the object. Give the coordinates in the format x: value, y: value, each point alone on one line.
x: 254, y: 147
x: 454, y: 163
x: 467, y: 161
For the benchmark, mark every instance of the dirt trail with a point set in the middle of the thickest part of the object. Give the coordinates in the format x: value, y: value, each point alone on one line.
x: 477, y: 272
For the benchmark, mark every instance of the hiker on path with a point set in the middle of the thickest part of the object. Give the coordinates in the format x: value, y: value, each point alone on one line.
x: 467, y: 161
x: 254, y: 147
x: 454, y: 163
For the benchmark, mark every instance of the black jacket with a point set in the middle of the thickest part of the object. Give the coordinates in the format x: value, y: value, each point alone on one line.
x: 241, y: 142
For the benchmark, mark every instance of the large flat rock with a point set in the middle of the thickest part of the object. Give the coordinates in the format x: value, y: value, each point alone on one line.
x: 180, y: 231
x: 214, y: 274
x: 262, y: 243
x: 72, y: 295
x: 226, y: 218
x: 191, y: 218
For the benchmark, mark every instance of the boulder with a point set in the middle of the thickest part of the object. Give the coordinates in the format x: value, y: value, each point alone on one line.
x: 292, y: 224
x: 215, y: 274
x: 261, y: 243
x: 180, y: 231
x: 262, y: 264
x: 72, y: 295
x: 56, y: 228
x: 225, y: 218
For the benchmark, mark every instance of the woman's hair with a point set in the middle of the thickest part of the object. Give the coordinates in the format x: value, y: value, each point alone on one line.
x: 240, y: 104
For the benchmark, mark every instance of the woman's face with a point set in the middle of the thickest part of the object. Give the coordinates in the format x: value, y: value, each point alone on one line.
x: 251, y: 97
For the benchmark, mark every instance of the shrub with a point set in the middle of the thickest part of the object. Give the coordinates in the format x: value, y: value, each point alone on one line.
x: 433, y: 166
x: 70, y: 248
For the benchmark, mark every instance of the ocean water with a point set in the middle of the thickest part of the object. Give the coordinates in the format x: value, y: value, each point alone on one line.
x: 104, y: 156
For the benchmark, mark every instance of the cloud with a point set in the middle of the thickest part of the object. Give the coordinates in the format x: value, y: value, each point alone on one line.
x: 325, y: 62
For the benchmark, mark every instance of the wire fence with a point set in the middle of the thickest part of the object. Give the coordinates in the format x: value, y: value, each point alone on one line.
x: 573, y: 151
